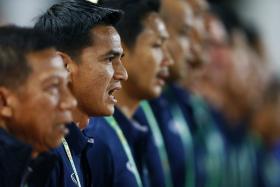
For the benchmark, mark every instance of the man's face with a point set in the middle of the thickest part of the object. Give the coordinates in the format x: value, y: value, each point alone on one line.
x: 99, y: 72
x: 42, y: 105
x: 148, y: 61
x: 179, y: 25
x: 212, y: 81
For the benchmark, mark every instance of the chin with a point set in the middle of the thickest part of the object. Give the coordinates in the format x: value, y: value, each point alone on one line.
x: 157, y: 92
x: 107, y: 111
x: 152, y: 94
x: 55, y: 144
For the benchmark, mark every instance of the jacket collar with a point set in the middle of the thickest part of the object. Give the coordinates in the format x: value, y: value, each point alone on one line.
x: 75, y: 139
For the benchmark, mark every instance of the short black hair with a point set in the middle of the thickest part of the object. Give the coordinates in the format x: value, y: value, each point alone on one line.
x: 70, y: 22
x: 15, y: 44
x: 135, y: 11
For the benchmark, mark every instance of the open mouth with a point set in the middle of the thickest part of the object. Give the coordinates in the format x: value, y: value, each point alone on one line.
x: 162, y: 77
x: 111, y: 93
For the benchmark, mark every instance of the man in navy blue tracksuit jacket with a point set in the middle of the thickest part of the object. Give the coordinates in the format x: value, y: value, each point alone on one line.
x: 29, y: 66
x: 121, y: 173
x: 92, y: 159
x: 147, y: 71
x: 91, y: 48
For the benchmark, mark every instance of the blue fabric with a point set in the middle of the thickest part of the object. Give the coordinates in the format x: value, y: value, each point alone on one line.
x: 183, y: 98
x: 152, y: 161
x: 16, y: 158
x: 63, y: 175
x: 174, y: 145
x: 270, y: 166
x: 136, y: 136
x: 240, y: 152
x: 120, y: 174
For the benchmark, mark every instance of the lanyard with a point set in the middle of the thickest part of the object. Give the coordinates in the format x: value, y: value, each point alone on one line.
x: 209, y: 136
x: 68, y: 152
x: 159, y: 142
x: 186, y: 138
x: 241, y: 162
x: 114, y: 124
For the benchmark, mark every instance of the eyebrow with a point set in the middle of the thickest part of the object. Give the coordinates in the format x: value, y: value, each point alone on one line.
x: 114, y: 53
x: 54, y: 77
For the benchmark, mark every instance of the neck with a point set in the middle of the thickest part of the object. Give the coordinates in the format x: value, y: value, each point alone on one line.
x: 80, y: 118
x: 127, y: 103
x: 34, y: 154
x: 3, y: 125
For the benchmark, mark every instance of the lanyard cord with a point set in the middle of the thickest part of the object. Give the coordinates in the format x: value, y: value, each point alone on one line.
x: 159, y: 142
x: 114, y: 124
x: 68, y: 152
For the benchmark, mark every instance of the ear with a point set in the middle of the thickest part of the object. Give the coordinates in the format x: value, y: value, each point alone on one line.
x: 6, y: 100
x: 69, y: 63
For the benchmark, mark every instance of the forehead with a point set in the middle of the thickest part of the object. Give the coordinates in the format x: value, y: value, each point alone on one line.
x: 153, y: 24
x: 216, y: 30
x: 181, y: 14
x: 45, y: 62
x: 104, y: 36
x: 45, y: 59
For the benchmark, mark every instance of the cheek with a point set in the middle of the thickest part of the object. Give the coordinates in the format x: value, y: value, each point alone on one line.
x: 175, y: 48
x: 152, y: 65
x: 94, y: 80
x: 99, y: 85
x: 38, y: 116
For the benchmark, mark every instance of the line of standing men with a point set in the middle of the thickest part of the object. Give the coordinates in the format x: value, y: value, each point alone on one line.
x: 158, y: 130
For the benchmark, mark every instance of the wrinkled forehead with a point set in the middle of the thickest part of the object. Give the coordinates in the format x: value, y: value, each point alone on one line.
x: 44, y: 58
x: 45, y: 63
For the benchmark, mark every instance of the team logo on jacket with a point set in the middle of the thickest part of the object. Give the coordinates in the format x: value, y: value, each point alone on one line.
x: 73, y: 177
x: 130, y: 167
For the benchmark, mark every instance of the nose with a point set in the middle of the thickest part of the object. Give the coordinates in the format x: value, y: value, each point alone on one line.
x: 120, y: 72
x: 167, y: 58
x: 68, y: 101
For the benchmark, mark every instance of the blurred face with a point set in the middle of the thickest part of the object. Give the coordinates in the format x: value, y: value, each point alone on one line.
x: 179, y: 25
x: 213, y: 80
x: 199, y: 34
x: 99, y: 73
x: 42, y: 105
x: 148, y: 61
x: 231, y: 80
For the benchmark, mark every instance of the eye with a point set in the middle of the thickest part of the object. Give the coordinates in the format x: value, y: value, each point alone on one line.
x: 185, y: 32
x: 110, y: 58
x: 52, y: 89
x: 157, y: 45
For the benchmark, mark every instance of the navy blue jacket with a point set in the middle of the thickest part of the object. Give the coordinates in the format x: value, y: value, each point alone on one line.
x: 120, y: 174
x: 153, y: 163
x: 92, y: 159
x: 136, y: 136
x: 239, y: 151
x: 173, y: 142
x: 184, y: 99
x: 63, y: 174
x: 270, y: 166
x: 17, y: 168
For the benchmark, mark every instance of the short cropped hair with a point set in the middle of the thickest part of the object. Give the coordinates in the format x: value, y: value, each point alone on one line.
x: 15, y: 44
x: 70, y: 22
x: 135, y: 12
